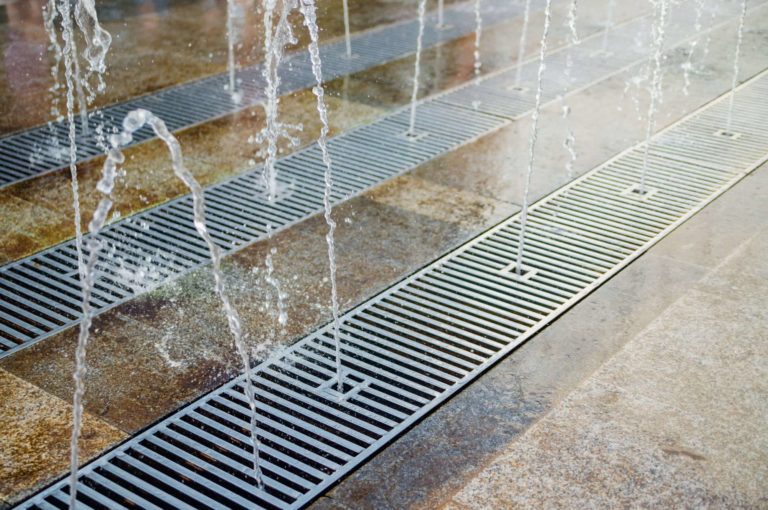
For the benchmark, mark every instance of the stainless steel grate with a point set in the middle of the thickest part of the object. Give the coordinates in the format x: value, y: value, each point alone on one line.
x: 413, y: 346
x: 41, y: 293
x: 45, y: 148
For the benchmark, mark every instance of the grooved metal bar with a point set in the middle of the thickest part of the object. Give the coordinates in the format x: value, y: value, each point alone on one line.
x: 46, y: 148
x: 411, y: 347
x: 41, y: 293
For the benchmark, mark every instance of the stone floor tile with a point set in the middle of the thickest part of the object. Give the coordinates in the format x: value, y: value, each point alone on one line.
x: 34, y: 444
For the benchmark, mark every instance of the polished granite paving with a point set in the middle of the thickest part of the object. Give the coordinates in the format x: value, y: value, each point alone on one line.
x: 163, y: 349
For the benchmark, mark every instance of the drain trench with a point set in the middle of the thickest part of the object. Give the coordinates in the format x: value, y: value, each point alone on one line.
x: 411, y: 347
x: 36, y: 151
x: 41, y: 293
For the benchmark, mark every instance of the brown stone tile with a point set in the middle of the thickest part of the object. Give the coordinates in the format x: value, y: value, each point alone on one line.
x: 34, y: 444
x: 163, y: 349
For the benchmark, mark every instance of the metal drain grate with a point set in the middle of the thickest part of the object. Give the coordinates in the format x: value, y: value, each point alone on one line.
x: 45, y: 148
x: 41, y: 293
x: 413, y: 346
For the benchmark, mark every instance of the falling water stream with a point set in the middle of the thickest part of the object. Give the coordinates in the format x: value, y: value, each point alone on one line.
x: 417, y: 66
x: 231, y: 42
x: 347, y: 39
x: 76, y: 83
x: 134, y: 121
x: 714, y: 11
x: 275, y: 40
x: 609, y: 22
x: 570, y: 140
x: 737, y: 54
x: 440, y: 13
x: 50, y: 13
x: 660, y: 21
x: 521, y: 44
x: 688, y: 64
x: 478, y: 36
x: 309, y: 11
x: 534, y: 135
x: 71, y: 79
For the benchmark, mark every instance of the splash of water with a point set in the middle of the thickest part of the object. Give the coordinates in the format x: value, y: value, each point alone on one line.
x: 655, y: 82
x: 310, y: 20
x: 132, y: 122
x: 417, y: 67
x: 523, y: 39
x: 97, y: 46
x: 275, y: 40
x: 478, y: 36
x: 737, y: 54
x: 534, y: 136
x: 688, y: 64
x: 347, y: 39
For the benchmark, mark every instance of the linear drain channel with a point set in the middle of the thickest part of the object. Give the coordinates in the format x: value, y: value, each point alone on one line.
x: 44, y: 148
x: 41, y: 293
x: 413, y: 346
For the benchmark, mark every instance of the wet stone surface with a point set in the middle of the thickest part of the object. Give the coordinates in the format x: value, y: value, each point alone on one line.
x: 34, y: 444
x: 163, y: 349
